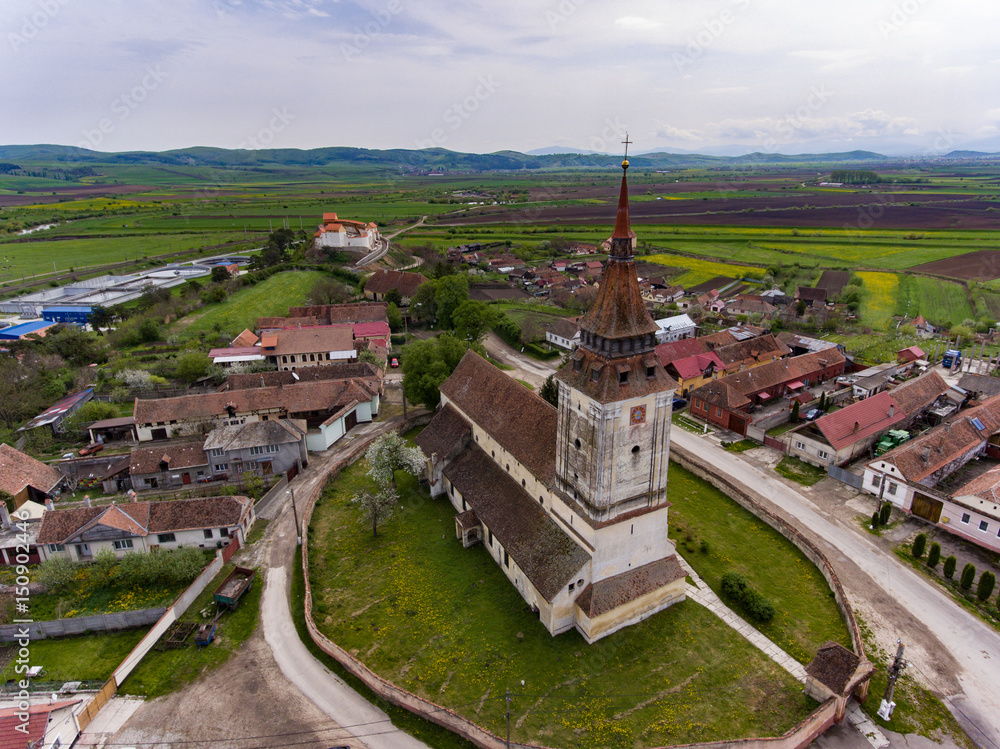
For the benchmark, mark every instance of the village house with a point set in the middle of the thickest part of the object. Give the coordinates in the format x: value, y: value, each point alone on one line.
x: 924, y: 329
x: 726, y: 402
x: 563, y: 333
x: 381, y: 282
x: 570, y: 502
x: 245, y: 339
x: 749, y: 304
x: 259, y: 448
x: 168, y: 465
x: 82, y: 533
x: 342, y: 233
x: 44, y: 724
x: 675, y: 328
x: 308, y: 347
x: 812, y: 296
x: 26, y: 479
x: 848, y: 434
x: 117, y: 429
x: 333, y: 314
x: 692, y: 372
x: 800, y: 344
x: 237, y: 356
x: 948, y: 475
x: 330, y: 407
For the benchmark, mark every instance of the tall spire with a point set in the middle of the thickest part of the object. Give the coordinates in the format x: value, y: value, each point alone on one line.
x: 622, y: 228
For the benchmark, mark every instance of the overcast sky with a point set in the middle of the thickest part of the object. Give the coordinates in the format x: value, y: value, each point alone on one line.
x: 790, y: 76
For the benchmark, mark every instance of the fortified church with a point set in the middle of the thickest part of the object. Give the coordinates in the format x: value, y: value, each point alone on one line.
x: 571, y: 502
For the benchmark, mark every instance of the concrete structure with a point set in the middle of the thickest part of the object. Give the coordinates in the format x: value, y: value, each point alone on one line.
x: 570, y: 502
x: 83, y: 532
x: 260, y: 448
x: 675, y: 328
x: 342, y: 233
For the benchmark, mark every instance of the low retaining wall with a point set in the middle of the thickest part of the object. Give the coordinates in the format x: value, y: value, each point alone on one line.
x: 275, y: 491
x: 81, y: 624
x: 752, y: 502
x: 796, y: 738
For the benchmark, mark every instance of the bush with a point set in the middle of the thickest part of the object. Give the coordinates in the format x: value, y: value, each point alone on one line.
x: 986, y: 583
x: 177, y: 566
x: 736, y: 588
x: 56, y: 572
x: 934, y: 555
x: 949, y: 567
x: 876, y: 518
x: 968, y: 575
x: 919, y: 544
x: 885, y: 513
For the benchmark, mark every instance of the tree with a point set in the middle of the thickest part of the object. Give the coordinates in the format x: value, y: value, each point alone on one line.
x: 220, y: 273
x: 472, y: 319
x: 391, y: 453
x: 376, y: 506
x: 450, y: 292
x: 88, y: 413
x: 800, y: 307
x: 330, y: 291
x: 795, y: 411
x: 949, y: 567
x: 392, y: 296
x: 968, y: 576
x: 919, y: 543
x: 395, y: 317
x: 986, y: 582
x: 885, y: 513
x: 423, y: 303
x: 934, y: 555
x: 426, y: 364
x: 550, y: 391
x: 192, y: 366
x: 100, y: 317
x: 56, y: 572
x: 370, y: 357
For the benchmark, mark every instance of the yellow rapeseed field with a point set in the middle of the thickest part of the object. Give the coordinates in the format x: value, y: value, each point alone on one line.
x: 879, y: 302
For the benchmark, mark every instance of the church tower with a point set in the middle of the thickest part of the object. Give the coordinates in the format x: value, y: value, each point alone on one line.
x: 615, y: 398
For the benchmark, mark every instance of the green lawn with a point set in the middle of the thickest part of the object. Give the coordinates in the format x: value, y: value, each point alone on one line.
x: 272, y: 297
x: 443, y: 621
x: 941, y: 302
x: 164, y: 672
x: 738, y: 541
x: 800, y: 471
x: 84, y: 658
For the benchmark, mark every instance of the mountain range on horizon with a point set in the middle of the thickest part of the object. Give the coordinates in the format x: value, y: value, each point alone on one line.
x: 440, y: 159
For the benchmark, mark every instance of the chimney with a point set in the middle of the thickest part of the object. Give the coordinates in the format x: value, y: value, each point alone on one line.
x: 892, y: 409
x: 926, y: 454
x: 857, y: 426
x: 86, y: 500
x: 49, y: 505
x: 4, y: 516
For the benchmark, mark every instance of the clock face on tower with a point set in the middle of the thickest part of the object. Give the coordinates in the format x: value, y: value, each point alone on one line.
x: 638, y: 415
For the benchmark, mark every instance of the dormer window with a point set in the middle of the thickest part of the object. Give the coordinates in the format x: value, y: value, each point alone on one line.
x: 623, y: 378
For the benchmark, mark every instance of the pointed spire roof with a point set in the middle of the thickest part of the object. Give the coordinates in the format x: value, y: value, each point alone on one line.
x: 622, y: 228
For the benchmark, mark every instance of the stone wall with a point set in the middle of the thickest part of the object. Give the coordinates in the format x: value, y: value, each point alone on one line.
x: 798, y: 737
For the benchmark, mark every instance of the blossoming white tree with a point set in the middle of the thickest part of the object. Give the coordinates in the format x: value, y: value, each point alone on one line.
x: 388, y: 454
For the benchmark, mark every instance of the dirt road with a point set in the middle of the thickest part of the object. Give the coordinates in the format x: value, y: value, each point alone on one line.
x: 953, y: 652
x: 525, y: 368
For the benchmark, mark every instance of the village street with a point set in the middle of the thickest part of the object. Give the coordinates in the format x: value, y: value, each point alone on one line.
x: 952, y: 651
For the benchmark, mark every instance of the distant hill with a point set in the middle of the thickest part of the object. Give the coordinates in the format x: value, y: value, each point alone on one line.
x: 425, y: 160
x: 970, y: 155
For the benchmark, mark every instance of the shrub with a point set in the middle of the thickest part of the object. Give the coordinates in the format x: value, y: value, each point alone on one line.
x: 875, y: 519
x: 968, y: 575
x: 56, y: 572
x: 736, y: 588
x: 949, y: 567
x: 885, y: 513
x: 934, y: 555
x: 919, y: 544
x: 986, y: 583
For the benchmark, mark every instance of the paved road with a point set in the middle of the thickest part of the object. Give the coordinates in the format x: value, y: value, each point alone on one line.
x: 962, y: 642
x: 318, y: 684
x: 530, y: 370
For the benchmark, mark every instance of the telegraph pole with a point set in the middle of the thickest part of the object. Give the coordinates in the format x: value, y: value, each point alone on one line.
x: 887, y: 706
x: 295, y: 512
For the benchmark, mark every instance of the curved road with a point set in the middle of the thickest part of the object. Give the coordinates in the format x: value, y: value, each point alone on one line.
x: 971, y: 647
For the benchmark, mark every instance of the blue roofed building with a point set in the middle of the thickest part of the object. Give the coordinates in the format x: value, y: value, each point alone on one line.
x: 17, y: 332
x: 65, y: 314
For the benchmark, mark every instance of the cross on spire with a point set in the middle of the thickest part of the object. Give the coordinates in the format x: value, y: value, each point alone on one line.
x: 626, y: 142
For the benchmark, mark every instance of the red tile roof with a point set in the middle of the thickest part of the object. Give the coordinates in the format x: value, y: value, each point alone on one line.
x: 18, y: 471
x: 13, y: 736
x: 246, y: 338
x: 911, y: 354
x: 668, y: 352
x: 312, y: 341
x: 177, y: 456
x: 695, y: 366
x: 860, y: 420
x: 383, y: 281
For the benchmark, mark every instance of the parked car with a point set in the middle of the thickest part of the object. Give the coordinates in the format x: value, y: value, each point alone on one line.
x: 394, y: 362
x: 813, y: 413
x: 93, y: 447
x: 679, y: 403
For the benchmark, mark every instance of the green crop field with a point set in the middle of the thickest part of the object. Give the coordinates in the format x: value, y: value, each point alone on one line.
x: 269, y: 298
x: 941, y: 302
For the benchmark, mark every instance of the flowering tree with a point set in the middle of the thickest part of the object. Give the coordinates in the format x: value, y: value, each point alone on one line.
x: 388, y: 454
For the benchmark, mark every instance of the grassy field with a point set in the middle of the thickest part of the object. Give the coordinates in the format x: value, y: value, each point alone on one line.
x: 272, y: 297
x: 688, y: 677
x: 880, y: 298
x: 699, y: 270
x: 943, y: 303
x: 164, y: 672
x: 737, y: 541
x: 84, y: 658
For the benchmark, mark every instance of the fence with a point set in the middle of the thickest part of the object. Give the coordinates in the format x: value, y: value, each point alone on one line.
x: 799, y: 736
x: 81, y: 625
x: 845, y: 477
x: 276, y: 491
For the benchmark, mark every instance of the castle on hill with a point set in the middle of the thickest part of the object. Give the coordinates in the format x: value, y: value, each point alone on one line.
x: 571, y: 502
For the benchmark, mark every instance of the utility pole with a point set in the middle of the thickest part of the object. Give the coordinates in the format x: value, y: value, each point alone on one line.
x: 295, y: 512
x: 887, y: 706
x: 508, y: 719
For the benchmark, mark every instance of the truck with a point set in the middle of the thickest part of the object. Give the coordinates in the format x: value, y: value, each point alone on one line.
x: 952, y: 358
x: 894, y: 438
x: 238, y: 582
